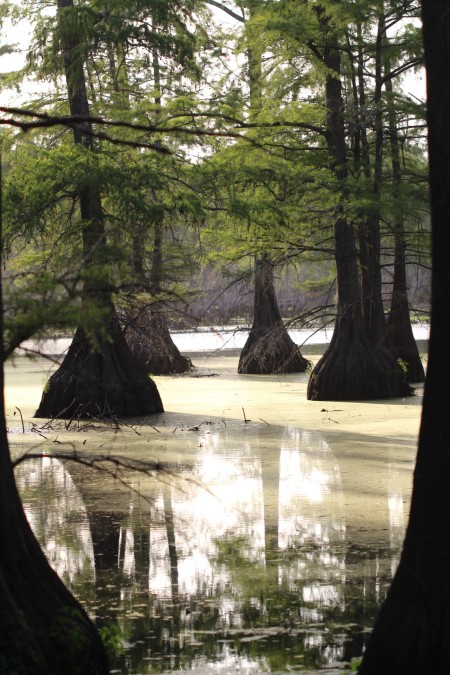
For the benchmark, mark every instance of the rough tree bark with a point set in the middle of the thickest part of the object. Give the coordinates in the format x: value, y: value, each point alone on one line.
x: 269, y: 348
x: 101, y: 381
x: 148, y: 336
x: 99, y: 374
x: 412, y: 632
x: 352, y: 368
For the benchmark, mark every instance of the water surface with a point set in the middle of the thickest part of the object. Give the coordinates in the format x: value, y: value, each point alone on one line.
x: 259, y: 546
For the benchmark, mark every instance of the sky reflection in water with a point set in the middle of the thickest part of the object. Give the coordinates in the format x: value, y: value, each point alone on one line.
x: 250, y: 556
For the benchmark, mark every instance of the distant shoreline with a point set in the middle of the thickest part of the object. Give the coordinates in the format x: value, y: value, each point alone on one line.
x: 226, y: 338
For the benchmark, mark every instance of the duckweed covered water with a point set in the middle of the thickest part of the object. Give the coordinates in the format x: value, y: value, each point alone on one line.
x: 258, y: 546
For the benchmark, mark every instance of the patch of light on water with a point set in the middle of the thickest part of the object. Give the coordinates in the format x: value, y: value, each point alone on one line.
x: 55, y: 506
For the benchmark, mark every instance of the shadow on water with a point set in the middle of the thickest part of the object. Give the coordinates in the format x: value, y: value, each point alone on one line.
x: 263, y: 549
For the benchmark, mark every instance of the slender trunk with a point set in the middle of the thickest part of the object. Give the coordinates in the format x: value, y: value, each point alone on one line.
x: 147, y: 332
x: 400, y: 336
x: 370, y: 238
x: 269, y: 348
x: 93, y: 229
x: 157, y: 257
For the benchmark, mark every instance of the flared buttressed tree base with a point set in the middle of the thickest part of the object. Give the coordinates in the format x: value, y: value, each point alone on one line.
x: 150, y: 342
x: 352, y: 370
x: 271, y: 352
x: 102, y: 382
x: 401, y: 343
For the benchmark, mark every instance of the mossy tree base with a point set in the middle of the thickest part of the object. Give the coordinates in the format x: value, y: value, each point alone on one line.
x: 150, y: 342
x: 105, y: 381
x: 271, y: 352
x: 401, y: 342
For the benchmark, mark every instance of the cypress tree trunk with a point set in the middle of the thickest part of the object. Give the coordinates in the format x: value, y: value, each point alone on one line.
x: 352, y: 368
x: 43, y: 629
x: 101, y: 381
x: 148, y: 336
x: 400, y: 338
x: 269, y: 348
x: 412, y: 632
x: 370, y: 237
x: 146, y: 329
x: 99, y: 374
x: 147, y: 332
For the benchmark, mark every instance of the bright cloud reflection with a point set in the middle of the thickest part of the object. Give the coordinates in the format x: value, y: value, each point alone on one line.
x: 240, y: 495
x: 56, y: 512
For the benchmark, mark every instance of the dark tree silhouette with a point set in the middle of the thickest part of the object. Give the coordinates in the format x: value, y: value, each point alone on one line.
x: 412, y: 633
x: 43, y: 628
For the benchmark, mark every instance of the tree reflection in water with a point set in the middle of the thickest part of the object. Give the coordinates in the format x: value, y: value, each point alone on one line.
x: 56, y: 512
x: 242, y: 558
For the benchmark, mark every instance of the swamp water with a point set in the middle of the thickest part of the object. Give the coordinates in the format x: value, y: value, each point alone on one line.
x: 265, y: 541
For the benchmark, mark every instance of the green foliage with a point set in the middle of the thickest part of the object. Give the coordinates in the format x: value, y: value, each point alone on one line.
x: 354, y: 665
x: 403, y: 365
x: 272, y: 190
x: 111, y: 636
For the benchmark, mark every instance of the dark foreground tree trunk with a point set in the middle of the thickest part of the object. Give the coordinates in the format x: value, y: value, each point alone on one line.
x: 269, y: 348
x: 43, y: 628
x: 412, y: 633
x: 150, y: 342
x: 99, y: 381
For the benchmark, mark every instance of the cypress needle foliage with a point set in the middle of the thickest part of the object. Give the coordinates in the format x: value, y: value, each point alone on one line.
x: 250, y: 159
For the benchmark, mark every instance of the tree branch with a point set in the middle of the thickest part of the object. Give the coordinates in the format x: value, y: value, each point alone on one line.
x: 225, y: 9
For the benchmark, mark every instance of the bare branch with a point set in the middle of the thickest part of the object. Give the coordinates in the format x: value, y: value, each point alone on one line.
x: 225, y: 9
